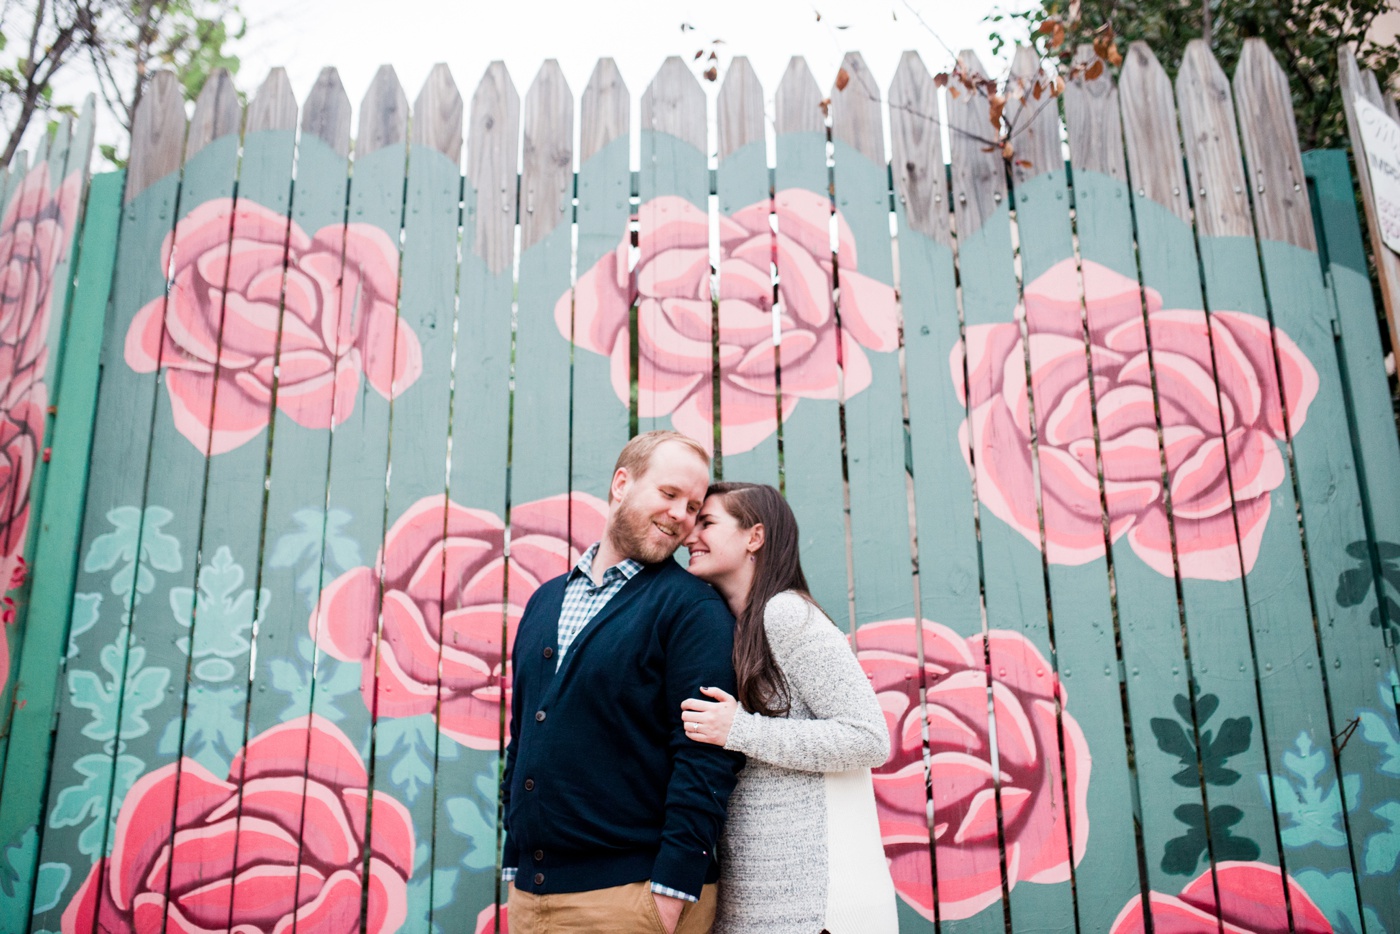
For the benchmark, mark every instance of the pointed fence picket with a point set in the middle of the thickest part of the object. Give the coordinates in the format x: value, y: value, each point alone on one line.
x: 351, y: 411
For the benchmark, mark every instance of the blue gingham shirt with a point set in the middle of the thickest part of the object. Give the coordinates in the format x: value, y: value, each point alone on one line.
x: 584, y: 600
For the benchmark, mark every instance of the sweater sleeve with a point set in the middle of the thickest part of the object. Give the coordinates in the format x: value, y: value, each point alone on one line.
x: 849, y: 731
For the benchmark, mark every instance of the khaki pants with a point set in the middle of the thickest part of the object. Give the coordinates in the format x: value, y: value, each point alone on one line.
x: 622, y: 909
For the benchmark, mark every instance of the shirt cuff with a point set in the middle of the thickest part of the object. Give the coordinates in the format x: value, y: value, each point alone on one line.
x: 660, y: 889
x: 508, y: 873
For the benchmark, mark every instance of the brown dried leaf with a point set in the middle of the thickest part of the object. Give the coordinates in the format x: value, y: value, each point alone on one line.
x: 1047, y: 26
x: 953, y: 92
x: 989, y: 149
x: 940, y: 80
x: 1007, y: 151
x: 998, y: 105
x: 1024, y: 163
x: 714, y: 56
x: 1115, y: 58
x: 1094, y: 70
x: 711, y: 73
x: 819, y: 15
x: 1057, y: 39
x: 1059, y: 87
x: 843, y: 78
x: 1037, y: 89
x: 825, y: 106
x: 699, y: 53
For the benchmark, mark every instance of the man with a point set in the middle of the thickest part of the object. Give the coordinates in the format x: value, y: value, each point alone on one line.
x: 612, y: 814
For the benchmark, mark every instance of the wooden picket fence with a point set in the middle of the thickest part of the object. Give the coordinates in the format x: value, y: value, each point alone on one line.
x: 322, y: 423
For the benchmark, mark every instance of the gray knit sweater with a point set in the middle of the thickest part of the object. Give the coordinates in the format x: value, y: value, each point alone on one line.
x: 801, y: 847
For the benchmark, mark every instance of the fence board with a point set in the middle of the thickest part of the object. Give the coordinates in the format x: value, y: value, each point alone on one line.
x: 82, y: 805
x: 1354, y: 658
x: 601, y: 408
x: 748, y: 390
x: 948, y: 578
x: 480, y: 435
x: 674, y: 312
x: 989, y: 297
x: 813, y: 479
x: 55, y: 549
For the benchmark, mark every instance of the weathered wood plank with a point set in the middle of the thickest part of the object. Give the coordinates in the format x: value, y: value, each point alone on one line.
x: 602, y: 369
x: 949, y: 605
x: 1212, y: 147
x: 674, y: 313
x: 160, y: 125
x: 274, y: 107
x: 1055, y: 291
x: 989, y: 297
x: 1328, y: 489
x: 748, y: 389
x: 812, y: 478
x: 1355, y: 84
x: 1149, y: 127
x: 437, y: 114
x: 114, y: 507
x: 477, y: 481
x: 217, y: 113
x: 327, y: 113
x: 1093, y: 120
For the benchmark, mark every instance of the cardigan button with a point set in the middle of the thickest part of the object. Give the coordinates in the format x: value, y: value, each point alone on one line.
x: 539, y: 716
x: 529, y: 784
x: 548, y: 652
x: 539, y: 855
x: 539, y: 878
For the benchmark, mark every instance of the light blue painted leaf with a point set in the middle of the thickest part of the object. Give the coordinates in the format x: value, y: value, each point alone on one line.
x: 465, y: 818
x: 487, y: 785
x: 1376, y: 729
x: 1308, y: 763
x: 87, y: 692
x: 87, y: 609
x: 162, y: 551
x: 1382, y: 848
x: 85, y: 800
x: 120, y: 545
x: 18, y: 857
x: 411, y: 739
x: 225, y: 615
x: 1335, y: 895
x: 444, y: 884
x: 145, y: 690
x: 214, y: 726
x: 1314, y: 809
x: 49, y: 885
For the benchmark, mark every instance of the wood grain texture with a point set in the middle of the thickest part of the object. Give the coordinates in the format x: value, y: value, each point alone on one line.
x: 605, y: 112
x: 978, y: 172
x: 1093, y: 121
x: 1265, y: 106
x: 383, y: 114
x: 1034, y: 125
x: 1354, y: 85
x: 327, y: 112
x: 492, y: 147
x: 855, y: 110
x: 274, y: 107
x: 797, y: 107
x: 674, y: 103
x: 1149, y: 131
x: 217, y: 113
x: 548, y: 155
x: 920, y: 184
x: 437, y: 114
x: 157, y: 134
x: 739, y: 113
x: 1211, y: 139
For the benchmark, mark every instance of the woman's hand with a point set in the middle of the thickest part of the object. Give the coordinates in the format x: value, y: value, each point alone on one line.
x: 709, y: 721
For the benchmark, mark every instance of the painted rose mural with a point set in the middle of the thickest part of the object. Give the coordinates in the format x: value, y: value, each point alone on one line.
x: 296, y: 802
x: 998, y: 428
x: 1249, y: 903
x: 340, y: 323
x: 671, y: 287
x: 35, y: 232
x: 460, y: 617
x: 1039, y: 839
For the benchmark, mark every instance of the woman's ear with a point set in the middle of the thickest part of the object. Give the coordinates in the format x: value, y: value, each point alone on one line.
x: 755, y: 537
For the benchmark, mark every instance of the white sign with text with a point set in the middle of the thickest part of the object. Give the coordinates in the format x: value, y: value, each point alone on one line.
x: 1381, y: 137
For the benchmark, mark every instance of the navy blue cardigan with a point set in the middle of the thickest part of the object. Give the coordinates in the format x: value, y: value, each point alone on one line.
x: 601, y: 785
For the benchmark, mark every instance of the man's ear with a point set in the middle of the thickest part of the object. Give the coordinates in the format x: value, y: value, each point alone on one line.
x: 756, y: 536
x: 618, y: 487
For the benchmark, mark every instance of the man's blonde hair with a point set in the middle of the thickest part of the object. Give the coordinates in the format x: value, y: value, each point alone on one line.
x: 636, y: 454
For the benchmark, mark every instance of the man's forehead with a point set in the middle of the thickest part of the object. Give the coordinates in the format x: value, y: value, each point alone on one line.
x: 673, y: 462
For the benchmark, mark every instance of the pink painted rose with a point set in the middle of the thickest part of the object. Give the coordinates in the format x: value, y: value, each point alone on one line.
x: 456, y: 621
x: 339, y: 321
x: 486, y: 921
x: 671, y: 287
x: 34, y: 235
x: 1024, y: 695
x: 21, y: 447
x: 999, y: 424
x: 298, y: 818
x: 1251, y: 902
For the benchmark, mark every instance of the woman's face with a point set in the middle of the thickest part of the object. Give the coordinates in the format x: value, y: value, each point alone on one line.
x: 718, y: 546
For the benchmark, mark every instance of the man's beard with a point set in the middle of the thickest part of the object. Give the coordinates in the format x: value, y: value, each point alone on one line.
x: 629, y: 533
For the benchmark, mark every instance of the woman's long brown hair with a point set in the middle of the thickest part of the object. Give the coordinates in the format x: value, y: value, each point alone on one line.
x: 777, y: 567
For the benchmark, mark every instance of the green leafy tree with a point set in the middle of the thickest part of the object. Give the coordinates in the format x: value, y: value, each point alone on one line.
x: 43, y: 42
x: 1305, y: 36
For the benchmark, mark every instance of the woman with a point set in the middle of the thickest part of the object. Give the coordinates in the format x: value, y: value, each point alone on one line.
x: 801, y: 850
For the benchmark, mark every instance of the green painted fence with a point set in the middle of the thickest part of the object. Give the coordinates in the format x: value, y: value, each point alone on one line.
x: 1090, y: 440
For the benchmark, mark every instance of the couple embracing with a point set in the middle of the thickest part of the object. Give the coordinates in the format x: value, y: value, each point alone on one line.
x: 690, y: 750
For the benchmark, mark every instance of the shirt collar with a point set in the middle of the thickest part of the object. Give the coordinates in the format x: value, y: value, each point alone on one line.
x: 627, y: 567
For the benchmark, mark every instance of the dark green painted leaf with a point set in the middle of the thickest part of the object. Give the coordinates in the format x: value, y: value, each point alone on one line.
x: 1206, y: 706
x: 1182, y: 703
x: 1174, y: 741
x: 1227, y: 846
x: 1353, y: 585
x: 1359, y: 551
x: 1391, y: 573
x: 1387, y: 550
x: 1182, y: 854
x: 1234, y: 738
